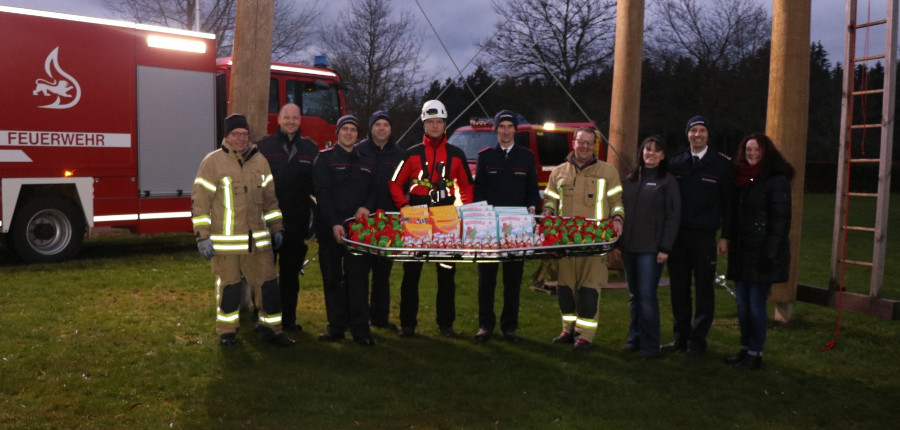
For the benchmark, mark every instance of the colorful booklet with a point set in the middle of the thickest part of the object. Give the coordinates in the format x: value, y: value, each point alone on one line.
x: 516, y: 231
x: 480, y: 233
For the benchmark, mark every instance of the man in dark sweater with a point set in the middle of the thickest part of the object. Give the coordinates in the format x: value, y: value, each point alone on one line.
x: 380, y: 146
x: 705, y: 181
x: 291, y: 158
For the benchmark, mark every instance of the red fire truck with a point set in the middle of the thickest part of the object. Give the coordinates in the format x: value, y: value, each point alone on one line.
x: 550, y: 142
x: 105, y: 122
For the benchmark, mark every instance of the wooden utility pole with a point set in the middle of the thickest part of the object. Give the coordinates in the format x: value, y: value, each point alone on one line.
x: 787, y: 118
x: 626, y: 88
x: 252, y: 59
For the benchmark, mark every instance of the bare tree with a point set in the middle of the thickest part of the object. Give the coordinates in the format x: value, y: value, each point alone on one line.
x: 379, y: 58
x: 572, y: 37
x: 292, y: 25
x: 713, y: 34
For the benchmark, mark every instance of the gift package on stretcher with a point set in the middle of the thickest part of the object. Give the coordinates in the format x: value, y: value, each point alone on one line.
x: 476, y: 233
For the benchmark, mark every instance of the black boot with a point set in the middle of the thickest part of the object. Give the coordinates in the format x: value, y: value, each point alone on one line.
x: 737, y: 358
x: 751, y: 362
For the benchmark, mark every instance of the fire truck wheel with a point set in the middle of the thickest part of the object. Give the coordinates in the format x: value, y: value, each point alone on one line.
x: 47, y: 229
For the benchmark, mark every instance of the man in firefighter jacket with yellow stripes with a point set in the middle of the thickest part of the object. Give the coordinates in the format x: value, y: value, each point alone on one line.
x: 237, y: 223
x: 583, y: 186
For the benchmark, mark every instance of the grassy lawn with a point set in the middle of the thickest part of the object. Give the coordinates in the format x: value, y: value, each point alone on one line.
x: 123, y: 337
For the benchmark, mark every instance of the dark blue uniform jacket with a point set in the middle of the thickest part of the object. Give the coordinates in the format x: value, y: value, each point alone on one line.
x: 507, y: 180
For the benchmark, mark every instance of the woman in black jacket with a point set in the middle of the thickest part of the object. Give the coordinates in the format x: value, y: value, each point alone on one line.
x: 653, y: 205
x: 759, y: 248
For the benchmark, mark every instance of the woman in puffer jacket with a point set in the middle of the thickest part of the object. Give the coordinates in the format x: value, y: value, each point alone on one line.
x: 759, y: 248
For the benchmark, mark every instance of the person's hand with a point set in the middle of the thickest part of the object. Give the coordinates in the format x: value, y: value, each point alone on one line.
x: 361, y: 213
x: 662, y: 257
x: 277, y: 239
x: 722, y: 247
x: 339, y: 233
x: 617, y: 226
x: 205, y: 247
x: 547, y: 212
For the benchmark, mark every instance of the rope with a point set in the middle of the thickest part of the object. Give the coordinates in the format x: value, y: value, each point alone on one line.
x: 458, y: 71
x: 588, y: 118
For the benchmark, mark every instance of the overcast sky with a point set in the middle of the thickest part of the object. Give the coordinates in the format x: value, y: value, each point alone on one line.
x: 462, y: 23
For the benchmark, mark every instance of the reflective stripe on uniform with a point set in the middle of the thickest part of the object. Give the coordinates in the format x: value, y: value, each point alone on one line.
x: 230, y: 238
x: 266, y: 180
x: 601, y: 185
x: 586, y: 324
x: 228, y: 197
x: 397, y: 171
x: 229, y: 317
x: 614, y: 191
x: 552, y: 194
x: 569, y: 318
x: 617, y: 209
x: 274, y: 319
x: 201, y: 220
x: 269, y: 216
x: 205, y: 184
x: 227, y: 247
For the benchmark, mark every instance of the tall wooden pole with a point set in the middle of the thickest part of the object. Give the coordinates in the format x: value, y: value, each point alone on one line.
x: 626, y: 88
x: 252, y: 59
x: 787, y: 119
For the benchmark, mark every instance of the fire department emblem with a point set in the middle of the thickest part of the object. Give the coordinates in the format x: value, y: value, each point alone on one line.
x: 58, y: 84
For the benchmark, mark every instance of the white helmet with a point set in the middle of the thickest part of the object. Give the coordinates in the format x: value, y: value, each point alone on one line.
x: 433, y: 109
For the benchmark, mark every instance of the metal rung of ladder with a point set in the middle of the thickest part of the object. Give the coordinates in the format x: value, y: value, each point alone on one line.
x: 858, y: 263
x: 857, y: 228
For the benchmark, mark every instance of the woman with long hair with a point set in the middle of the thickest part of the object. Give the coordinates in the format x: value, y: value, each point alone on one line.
x: 653, y: 205
x: 759, y: 248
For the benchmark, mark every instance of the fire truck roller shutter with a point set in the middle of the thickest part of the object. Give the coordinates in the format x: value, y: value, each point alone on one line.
x: 176, y: 113
x: 47, y: 229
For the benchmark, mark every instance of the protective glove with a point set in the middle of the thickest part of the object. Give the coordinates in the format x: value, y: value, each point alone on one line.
x: 277, y: 238
x: 206, y: 248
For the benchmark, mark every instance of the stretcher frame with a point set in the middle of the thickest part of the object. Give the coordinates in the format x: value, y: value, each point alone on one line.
x: 468, y: 255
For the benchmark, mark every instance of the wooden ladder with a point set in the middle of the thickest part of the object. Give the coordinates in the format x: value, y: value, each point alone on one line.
x: 857, y: 151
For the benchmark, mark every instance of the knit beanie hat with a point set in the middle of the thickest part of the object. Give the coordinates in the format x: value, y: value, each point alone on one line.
x: 380, y: 114
x: 505, y: 115
x: 234, y: 121
x: 696, y: 120
x: 344, y: 120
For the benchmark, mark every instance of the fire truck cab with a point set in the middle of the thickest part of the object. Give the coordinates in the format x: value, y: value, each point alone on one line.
x: 316, y: 90
x: 550, y: 142
x: 105, y: 123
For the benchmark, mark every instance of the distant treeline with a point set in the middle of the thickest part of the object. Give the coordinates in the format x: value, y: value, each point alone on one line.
x: 734, y: 102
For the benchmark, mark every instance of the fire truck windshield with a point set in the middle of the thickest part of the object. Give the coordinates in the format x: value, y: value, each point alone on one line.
x: 315, y: 98
x: 472, y: 141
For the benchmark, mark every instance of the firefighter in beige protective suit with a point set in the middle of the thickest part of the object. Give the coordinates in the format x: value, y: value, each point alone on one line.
x: 583, y: 186
x: 237, y: 223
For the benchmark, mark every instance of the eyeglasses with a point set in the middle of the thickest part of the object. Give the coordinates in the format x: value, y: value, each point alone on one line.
x: 239, y: 134
x: 584, y: 142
